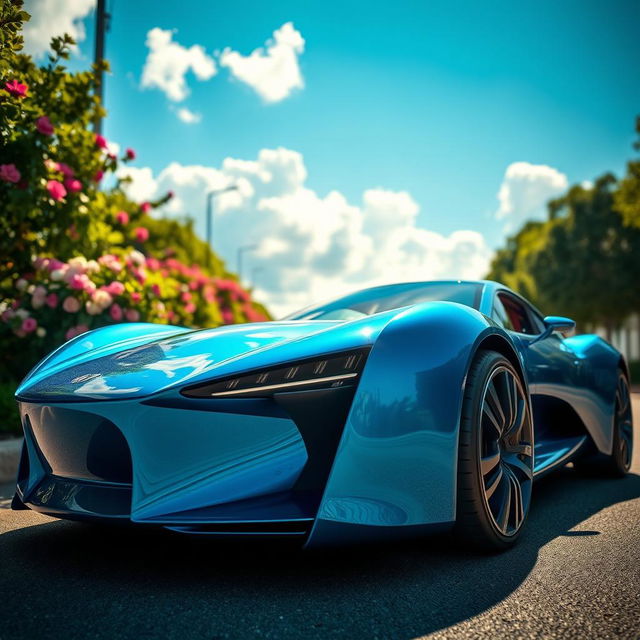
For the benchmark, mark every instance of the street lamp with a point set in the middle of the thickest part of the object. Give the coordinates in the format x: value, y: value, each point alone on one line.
x: 241, y: 251
x: 210, y: 196
x: 254, y: 276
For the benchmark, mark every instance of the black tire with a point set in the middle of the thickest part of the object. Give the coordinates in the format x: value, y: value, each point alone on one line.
x: 617, y: 464
x: 495, y: 455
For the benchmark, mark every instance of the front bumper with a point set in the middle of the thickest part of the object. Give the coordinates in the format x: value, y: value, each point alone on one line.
x: 225, y: 467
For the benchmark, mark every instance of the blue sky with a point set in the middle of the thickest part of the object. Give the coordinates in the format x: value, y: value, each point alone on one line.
x: 436, y: 99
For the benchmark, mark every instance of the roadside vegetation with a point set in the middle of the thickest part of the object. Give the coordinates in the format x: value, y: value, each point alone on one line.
x: 583, y: 261
x: 75, y: 252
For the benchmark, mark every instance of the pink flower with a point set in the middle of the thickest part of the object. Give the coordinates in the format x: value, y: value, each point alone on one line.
x: 132, y: 315
x: 7, y: 315
x: 98, y: 175
x: 227, y: 315
x: 56, y: 189
x: 65, y: 170
x: 153, y: 264
x: 145, y: 207
x: 81, y: 282
x: 155, y: 289
x: 190, y: 307
x: 54, y: 264
x: 52, y: 300
x: 141, y: 234
x: 9, y: 173
x: 115, y: 288
x: 136, y: 297
x: 29, y: 325
x: 122, y: 217
x: 44, y: 126
x: 73, y: 185
x: 76, y: 331
x: 116, y: 312
x: 16, y: 89
x: 101, y: 142
x: 131, y: 154
x: 185, y: 297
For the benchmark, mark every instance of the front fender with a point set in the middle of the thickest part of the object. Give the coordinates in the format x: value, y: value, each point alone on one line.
x: 396, y: 463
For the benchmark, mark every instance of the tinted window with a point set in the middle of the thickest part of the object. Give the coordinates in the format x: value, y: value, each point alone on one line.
x: 499, y: 314
x: 394, y: 296
x: 519, y: 316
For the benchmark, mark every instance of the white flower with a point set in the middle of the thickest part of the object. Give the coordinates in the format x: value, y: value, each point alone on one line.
x: 137, y: 257
x: 92, y: 308
x: 57, y: 275
x: 21, y: 284
x: 102, y: 299
x: 41, y: 332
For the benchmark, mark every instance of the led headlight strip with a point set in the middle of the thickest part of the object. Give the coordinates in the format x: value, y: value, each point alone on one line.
x: 331, y: 371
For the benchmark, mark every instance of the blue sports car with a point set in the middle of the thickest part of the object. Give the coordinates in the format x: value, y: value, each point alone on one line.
x: 397, y: 410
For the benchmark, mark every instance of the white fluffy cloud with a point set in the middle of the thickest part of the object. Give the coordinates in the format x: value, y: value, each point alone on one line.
x: 273, y: 72
x: 187, y: 116
x: 525, y: 190
x: 310, y: 246
x: 168, y: 63
x: 51, y: 18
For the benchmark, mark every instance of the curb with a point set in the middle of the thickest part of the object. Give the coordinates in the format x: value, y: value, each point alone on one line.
x: 9, y: 458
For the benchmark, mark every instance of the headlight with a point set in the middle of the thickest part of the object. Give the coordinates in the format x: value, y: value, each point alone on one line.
x: 335, y: 370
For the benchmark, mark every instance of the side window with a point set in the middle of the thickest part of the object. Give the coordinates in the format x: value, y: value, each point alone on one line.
x: 500, y: 315
x: 520, y: 319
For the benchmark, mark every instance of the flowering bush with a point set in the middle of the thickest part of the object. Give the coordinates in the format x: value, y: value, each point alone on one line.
x: 59, y: 300
x: 73, y: 255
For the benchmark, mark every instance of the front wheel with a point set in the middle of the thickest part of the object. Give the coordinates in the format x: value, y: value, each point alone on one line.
x: 495, y: 455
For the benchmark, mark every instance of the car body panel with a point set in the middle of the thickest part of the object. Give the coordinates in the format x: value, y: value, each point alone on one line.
x: 329, y: 465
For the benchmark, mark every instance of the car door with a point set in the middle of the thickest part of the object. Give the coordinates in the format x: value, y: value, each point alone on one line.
x: 551, y: 364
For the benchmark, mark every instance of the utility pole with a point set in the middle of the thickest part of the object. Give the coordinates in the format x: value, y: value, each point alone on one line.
x: 241, y: 251
x: 101, y: 26
x: 210, y: 196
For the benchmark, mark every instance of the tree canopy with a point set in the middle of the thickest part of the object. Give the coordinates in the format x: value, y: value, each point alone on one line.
x: 584, y: 260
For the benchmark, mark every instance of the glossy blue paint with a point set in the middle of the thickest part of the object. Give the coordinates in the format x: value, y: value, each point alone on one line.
x: 197, y: 463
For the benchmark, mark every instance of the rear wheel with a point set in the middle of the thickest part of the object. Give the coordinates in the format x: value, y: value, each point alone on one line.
x: 495, y: 459
x: 619, y: 462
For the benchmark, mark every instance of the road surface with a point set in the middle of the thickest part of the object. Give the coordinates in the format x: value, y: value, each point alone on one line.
x: 575, y: 574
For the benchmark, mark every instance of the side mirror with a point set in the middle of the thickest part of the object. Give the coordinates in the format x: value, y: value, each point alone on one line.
x: 552, y: 324
x: 558, y: 323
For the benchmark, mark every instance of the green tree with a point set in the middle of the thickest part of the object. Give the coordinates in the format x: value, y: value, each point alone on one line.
x: 627, y: 197
x: 583, y: 261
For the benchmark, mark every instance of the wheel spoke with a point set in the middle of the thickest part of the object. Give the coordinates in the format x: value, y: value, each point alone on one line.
x: 493, y: 420
x: 489, y: 462
x: 518, y: 421
x: 490, y: 490
x: 516, y: 489
x: 496, y: 406
x: 512, y: 460
x: 502, y: 519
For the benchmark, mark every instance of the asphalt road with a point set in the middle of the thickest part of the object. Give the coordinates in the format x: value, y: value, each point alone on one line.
x: 575, y: 574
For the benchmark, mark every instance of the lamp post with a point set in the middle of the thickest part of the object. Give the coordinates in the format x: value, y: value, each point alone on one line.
x: 241, y: 251
x: 102, y: 25
x: 254, y: 276
x: 212, y: 194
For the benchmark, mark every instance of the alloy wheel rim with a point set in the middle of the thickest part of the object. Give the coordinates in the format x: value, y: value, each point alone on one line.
x: 506, y: 450
x: 623, y: 422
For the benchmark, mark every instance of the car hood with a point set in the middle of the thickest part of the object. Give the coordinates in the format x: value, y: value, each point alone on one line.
x: 147, y: 364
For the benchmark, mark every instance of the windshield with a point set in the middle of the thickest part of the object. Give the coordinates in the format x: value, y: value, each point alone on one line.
x: 393, y: 296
